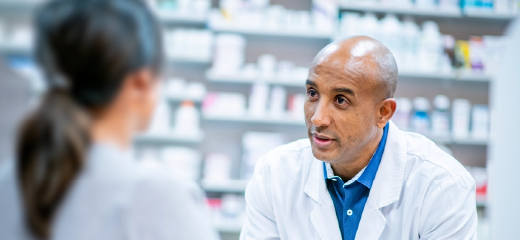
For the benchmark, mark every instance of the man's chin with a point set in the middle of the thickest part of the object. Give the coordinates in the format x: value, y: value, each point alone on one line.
x: 323, y: 155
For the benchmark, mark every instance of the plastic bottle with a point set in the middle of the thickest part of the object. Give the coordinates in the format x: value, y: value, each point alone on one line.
x: 430, y: 49
x: 392, y: 36
x: 370, y: 26
x: 161, y: 119
x: 411, y: 38
x: 441, y: 116
x: 258, y: 99
x: 449, y: 52
x: 461, y: 118
x: 449, y: 4
x: 403, y: 113
x: 425, y: 3
x: 187, y: 119
x: 420, y: 118
x: 480, y: 122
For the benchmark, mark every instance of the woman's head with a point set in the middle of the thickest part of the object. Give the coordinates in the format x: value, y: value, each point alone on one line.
x: 101, y: 59
x: 93, y: 48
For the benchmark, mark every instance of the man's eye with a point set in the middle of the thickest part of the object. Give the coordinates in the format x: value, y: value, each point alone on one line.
x: 341, y: 100
x: 312, y: 93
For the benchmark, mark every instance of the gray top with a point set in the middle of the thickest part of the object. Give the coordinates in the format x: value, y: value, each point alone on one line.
x: 114, y: 198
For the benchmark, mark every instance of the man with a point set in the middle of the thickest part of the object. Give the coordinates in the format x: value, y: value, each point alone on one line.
x: 359, y: 176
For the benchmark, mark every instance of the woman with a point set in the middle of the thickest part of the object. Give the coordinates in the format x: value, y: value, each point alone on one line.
x: 74, y: 177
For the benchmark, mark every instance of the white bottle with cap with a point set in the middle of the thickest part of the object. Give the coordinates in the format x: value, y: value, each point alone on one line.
x: 370, y: 26
x: 411, y: 39
x: 461, y: 118
x: 441, y: 116
x: 430, y: 49
x: 187, y: 119
x: 392, y: 36
x: 420, y: 119
x: 403, y: 113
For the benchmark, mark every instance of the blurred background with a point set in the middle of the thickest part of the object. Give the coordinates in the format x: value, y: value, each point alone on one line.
x: 234, y: 82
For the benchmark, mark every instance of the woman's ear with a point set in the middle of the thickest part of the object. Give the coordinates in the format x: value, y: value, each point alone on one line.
x: 142, y: 95
x: 386, y: 111
x: 141, y: 82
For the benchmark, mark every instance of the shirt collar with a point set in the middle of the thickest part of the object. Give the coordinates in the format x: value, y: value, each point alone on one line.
x: 367, y: 175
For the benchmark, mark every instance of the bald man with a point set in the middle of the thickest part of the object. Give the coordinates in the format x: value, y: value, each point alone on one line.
x: 358, y: 176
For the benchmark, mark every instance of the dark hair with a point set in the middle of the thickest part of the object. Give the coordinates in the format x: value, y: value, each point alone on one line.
x: 86, y: 48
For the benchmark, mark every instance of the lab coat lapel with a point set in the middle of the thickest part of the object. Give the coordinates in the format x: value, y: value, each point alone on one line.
x: 386, y: 187
x: 323, y: 216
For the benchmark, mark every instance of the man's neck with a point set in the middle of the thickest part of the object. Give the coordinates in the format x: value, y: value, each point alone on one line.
x: 349, y: 168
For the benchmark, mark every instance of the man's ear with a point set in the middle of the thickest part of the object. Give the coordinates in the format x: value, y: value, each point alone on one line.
x: 386, y: 110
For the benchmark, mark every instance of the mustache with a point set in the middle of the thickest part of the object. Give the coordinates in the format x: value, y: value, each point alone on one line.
x: 313, y: 129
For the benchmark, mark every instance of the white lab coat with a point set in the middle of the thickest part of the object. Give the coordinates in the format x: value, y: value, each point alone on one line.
x: 419, y: 192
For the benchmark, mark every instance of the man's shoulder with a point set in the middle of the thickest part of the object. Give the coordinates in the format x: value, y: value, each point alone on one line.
x: 289, y: 158
x: 434, y: 162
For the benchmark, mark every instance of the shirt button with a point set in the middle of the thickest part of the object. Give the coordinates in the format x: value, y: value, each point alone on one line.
x: 349, y: 212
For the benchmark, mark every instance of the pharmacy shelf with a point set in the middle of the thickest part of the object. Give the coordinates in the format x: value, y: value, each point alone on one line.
x: 447, y: 76
x: 168, y: 17
x: 488, y: 15
x: 300, y: 83
x: 448, y: 140
x: 13, y: 49
x: 272, y: 32
x: 255, y: 120
x: 481, y: 202
x: 187, y: 59
x: 168, y: 138
x: 244, y: 80
x: 229, y: 186
x: 406, y: 10
x: 18, y: 6
x: 428, y: 12
x: 228, y: 227
x: 183, y: 98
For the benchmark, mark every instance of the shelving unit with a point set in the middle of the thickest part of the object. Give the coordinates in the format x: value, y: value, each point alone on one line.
x: 310, y: 33
x: 229, y: 186
x: 255, y: 120
x: 194, y: 60
x: 456, y: 76
x: 228, y: 227
x: 423, y: 12
x: 301, y: 82
x: 17, y: 6
x: 13, y: 49
x: 487, y: 15
x: 168, y: 17
x: 245, y: 80
x: 457, y: 141
x: 169, y: 138
x: 290, y: 125
x: 183, y: 98
x: 406, y: 10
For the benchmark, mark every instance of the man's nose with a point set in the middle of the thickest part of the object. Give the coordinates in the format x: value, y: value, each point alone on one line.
x: 321, y: 117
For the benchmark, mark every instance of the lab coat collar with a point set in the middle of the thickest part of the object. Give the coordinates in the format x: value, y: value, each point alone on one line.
x: 388, y: 183
x: 323, y: 216
x: 386, y: 190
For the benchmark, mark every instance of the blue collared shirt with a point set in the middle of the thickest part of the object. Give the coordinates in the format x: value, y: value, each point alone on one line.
x: 350, y: 198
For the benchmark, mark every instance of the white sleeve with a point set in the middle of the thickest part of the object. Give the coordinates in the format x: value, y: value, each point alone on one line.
x: 260, y: 223
x: 450, y: 212
x: 165, y: 209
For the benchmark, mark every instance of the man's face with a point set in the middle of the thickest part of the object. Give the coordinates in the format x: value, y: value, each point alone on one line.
x: 340, y: 107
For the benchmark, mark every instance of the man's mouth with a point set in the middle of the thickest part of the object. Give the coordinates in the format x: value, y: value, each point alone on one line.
x: 322, y: 141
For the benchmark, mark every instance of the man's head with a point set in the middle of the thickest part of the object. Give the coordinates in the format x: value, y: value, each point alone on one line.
x: 349, y: 100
